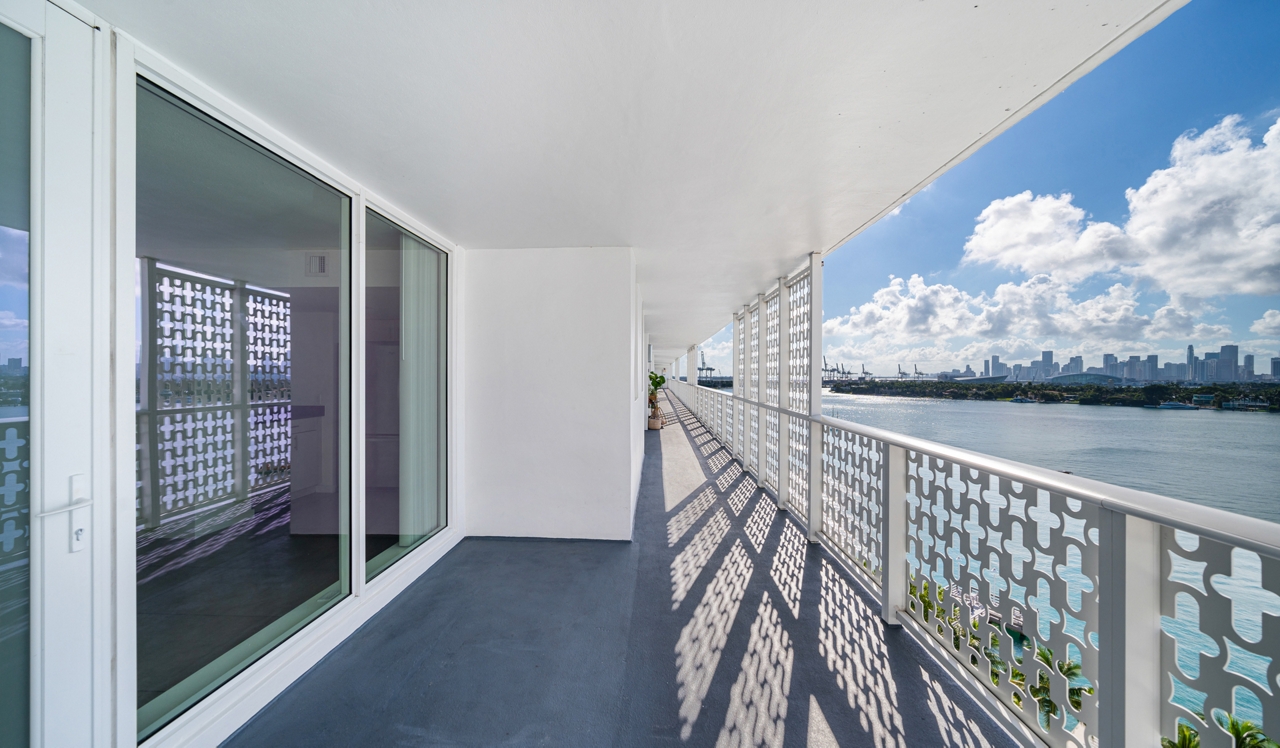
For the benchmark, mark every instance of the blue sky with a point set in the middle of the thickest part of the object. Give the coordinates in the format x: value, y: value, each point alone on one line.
x: 14, y: 299
x: 1008, y: 261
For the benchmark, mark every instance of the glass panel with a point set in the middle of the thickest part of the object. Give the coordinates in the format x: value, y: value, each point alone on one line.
x: 15, y: 465
x: 405, y: 392
x: 242, y: 472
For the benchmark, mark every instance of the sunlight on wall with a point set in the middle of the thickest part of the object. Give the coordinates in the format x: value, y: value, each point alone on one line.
x: 686, y: 567
x: 758, y: 701
x: 852, y: 639
x: 702, y: 639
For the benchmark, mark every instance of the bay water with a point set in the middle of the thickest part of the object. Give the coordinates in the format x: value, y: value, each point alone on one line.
x: 1223, y: 459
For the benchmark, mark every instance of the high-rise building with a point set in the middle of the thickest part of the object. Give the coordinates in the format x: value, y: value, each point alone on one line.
x: 1046, y: 362
x: 1151, y: 367
x: 1110, y: 365
x: 1074, y: 366
x: 986, y: 368
x: 1275, y: 368
x: 1228, y: 363
x: 1247, y: 373
x: 1133, y: 368
x: 1191, y: 356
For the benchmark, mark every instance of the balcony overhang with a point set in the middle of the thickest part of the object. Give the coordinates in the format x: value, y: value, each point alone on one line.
x: 722, y: 141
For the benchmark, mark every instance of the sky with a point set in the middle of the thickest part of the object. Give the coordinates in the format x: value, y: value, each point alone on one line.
x: 1135, y: 213
x: 14, y: 314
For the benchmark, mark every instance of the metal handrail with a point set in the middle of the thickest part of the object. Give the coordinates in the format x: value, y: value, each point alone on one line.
x: 1254, y: 534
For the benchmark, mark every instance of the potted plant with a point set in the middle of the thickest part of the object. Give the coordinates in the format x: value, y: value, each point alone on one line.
x: 655, y: 413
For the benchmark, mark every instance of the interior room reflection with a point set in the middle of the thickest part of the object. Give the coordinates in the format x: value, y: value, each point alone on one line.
x: 242, y: 497
x: 404, y: 392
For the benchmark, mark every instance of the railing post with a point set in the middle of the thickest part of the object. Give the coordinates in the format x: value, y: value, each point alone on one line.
x: 815, y: 396
x: 893, y: 538
x: 1130, y: 676
x: 757, y: 388
x: 784, y: 392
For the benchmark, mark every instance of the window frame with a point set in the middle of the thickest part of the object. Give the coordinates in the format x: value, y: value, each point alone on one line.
x: 224, y: 710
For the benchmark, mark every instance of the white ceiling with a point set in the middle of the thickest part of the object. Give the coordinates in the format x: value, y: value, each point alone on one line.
x: 724, y: 140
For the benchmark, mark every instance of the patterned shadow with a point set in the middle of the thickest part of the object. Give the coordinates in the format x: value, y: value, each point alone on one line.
x: 788, y: 566
x: 686, y: 567
x: 702, y: 640
x: 686, y: 518
x: 851, y: 638
x: 758, y: 700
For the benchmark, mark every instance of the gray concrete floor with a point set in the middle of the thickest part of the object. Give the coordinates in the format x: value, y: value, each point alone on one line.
x: 717, y: 625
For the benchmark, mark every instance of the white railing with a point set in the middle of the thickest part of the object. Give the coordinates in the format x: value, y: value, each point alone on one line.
x: 1092, y: 614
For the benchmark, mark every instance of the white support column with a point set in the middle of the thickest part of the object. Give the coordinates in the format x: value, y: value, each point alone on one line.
x: 1135, y: 680
x: 762, y: 328
x: 733, y: 364
x: 694, y: 363
x: 893, y: 541
x: 815, y: 396
x: 784, y: 392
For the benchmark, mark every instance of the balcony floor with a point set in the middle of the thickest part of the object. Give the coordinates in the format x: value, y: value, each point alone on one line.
x: 717, y: 626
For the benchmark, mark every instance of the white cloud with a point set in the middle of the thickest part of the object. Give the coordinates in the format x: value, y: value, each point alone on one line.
x: 911, y: 311
x: 1269, y: 325
x: 1206, y: 226
x: 911, y: 320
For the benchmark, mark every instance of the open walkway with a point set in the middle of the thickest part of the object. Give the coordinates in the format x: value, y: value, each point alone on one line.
x: 719, y: 625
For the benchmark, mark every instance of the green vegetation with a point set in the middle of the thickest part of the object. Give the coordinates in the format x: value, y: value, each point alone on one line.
x: 1084, y: 394
x: 14, y: 390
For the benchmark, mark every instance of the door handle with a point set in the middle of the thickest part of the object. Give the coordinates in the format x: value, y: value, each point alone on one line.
x: 79, y: 518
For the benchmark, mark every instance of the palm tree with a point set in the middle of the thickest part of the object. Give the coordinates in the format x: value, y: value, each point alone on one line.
x: 1244, y: 733
x: 1187, y: 738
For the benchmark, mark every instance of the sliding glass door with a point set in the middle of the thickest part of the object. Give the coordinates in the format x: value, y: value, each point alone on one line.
x: 243, y: 425
x: 405, y: 323
x: 15, y: 465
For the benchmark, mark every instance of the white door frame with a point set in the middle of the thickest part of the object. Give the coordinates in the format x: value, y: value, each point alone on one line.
x: 219, y: 714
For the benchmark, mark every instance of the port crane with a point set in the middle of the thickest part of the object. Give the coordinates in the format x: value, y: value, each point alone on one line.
x: 918, y: 374
x: 902, y: 374
x: 710, y: 370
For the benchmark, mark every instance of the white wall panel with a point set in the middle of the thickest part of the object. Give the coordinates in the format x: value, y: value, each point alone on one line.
x: 550, y: 455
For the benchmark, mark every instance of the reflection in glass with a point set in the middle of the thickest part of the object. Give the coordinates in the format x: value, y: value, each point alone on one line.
x: 15, y: 462
x: 243, y: 365
x: 405, y: 392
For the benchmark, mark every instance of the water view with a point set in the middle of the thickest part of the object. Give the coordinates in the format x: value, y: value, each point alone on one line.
x: 1217, y: 458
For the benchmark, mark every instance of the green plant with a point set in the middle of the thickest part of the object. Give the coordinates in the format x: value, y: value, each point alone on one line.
x: 1244, y: 734
x: 656, y: 381
x: 1187, y: 738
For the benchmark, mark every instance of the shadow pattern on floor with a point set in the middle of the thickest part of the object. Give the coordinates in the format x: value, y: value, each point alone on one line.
x: 719, y: 625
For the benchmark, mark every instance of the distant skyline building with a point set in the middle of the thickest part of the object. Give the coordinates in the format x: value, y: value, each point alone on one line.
x: 1228, y: 362
x: 1224, y: 365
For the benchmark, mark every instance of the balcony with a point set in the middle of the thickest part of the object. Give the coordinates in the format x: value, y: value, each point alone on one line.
x: 718, y: 625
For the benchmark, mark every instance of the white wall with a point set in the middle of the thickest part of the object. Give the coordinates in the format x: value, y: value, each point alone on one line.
x: 549, y: 455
